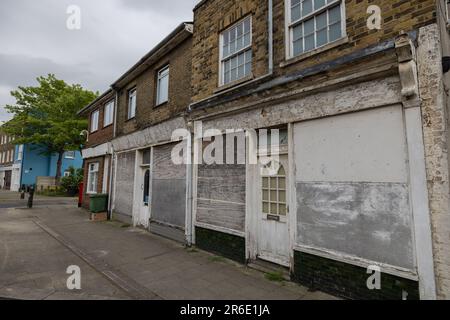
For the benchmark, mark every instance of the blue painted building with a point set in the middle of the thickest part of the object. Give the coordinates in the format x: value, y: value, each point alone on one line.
x: 33, y: 163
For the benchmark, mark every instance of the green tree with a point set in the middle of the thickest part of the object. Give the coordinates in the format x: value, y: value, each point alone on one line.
x: 46, y: 116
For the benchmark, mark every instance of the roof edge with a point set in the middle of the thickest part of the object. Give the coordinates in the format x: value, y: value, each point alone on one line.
x: 182, y: 27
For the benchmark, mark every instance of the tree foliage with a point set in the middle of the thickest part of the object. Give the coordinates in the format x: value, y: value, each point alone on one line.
x: 72, y: 181
x: 46, y: 116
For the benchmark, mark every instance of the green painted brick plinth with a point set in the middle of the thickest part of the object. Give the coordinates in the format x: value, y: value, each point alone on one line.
x: 348, y: 281
x: 227, y: 245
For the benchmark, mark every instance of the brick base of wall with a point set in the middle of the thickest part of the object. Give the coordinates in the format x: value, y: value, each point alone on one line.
x: 348, y: 281
x: 229, y: 246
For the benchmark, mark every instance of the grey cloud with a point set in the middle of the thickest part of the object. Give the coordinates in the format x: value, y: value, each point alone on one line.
x: 114, y: 35
x: 165, y: 7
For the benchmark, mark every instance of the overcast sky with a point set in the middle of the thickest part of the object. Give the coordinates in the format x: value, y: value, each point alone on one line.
x: 114, y: 34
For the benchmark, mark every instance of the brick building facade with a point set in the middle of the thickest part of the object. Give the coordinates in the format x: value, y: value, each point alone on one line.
x: 352, y: 96
x: 97, y: 154
x: 7, y: 154
x: 327, y: 79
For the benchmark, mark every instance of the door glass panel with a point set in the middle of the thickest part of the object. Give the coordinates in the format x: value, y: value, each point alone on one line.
x: 274, y: 199
x: 282, y: 183
x: 146, y: 187
x: 282, y: 209
x: 273, y: 208
x: 265, y: 182
x: 282, y: 196
x: 273, y: 183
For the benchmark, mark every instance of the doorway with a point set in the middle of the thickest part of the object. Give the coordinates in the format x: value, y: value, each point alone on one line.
x: 273, y: 241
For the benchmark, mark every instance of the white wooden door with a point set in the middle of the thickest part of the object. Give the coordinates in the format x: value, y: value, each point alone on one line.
x: 273, y: 223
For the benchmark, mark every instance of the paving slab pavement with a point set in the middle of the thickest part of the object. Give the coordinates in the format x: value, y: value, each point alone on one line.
x: 117, y: 262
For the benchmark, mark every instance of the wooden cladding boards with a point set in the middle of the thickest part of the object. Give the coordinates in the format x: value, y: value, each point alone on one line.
x: 168, y: 188
x: 124, y: 183
x: 221, y: 196
x: 163, y: 166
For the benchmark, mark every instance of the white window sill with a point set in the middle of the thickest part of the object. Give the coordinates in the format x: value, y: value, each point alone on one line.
x: 91, y: 193
x: 234, y: 83
x: 306, y: 55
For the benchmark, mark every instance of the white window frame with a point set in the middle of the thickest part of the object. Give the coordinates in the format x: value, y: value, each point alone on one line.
x: 163, y: 73
x: 94, y: 124
x: 20, y: 153
x: 95, y: 170
x: 132, y: 108
x: 67, y: 156
x: 66, y: 173
x: 223, y: 59
x: 289, y: 27
x: 108, y: 114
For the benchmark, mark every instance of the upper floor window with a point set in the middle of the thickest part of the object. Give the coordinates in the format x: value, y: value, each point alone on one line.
x: 236, y: 52
x: 314, y: 23
x: 162, y: 86
x: 94, y: 121
x: 70, y: 155
x: 131, y: 104
x: 108, y: 117
x: 20, y: 153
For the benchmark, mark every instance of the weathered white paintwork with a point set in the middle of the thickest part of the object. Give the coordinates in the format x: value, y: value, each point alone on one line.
x: 273, y: 242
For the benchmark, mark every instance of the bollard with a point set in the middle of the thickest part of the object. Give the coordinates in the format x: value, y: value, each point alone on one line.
x: 30, y: 197
x: 22, y: 194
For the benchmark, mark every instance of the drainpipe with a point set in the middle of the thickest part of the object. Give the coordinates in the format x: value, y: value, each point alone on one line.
x: 270, y: 34
x: 189, y: 197
x: 112, y: 162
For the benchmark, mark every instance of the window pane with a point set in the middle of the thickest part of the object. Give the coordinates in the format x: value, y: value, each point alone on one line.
x: 227, y: 66
x: 321, y: 21
x: 322, y: 37
x: 233, y: 75
x: 247, y: 25
x: 282, y: 210
x: 307, y: 7
x: 309, y: 43
x: 309, y: 27
x: 248, y: 56
x: 246, y: 39
x: 282, y: 183
x: 248, y: 69
x: 240, y: 30
x: 298, y: 32
x: 241, y: 59
x: 296, y: 12
x: 273, y: 183
x: 265, y: 195
x: 273, y: 208
x: 241, y: 71
x: 265, y: 182
x: 335, y: 32
x: 226, y: 50
x: 335, y: 14
x: 282, y: 197
x: 318, y: 4
x: 233, y: 63
x: 163, y: 86
x: 226, y: 77
x: 273, y: 196
x: 265, y: 207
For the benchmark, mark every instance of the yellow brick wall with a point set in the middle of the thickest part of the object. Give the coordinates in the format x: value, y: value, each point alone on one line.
x: 214, y: 16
